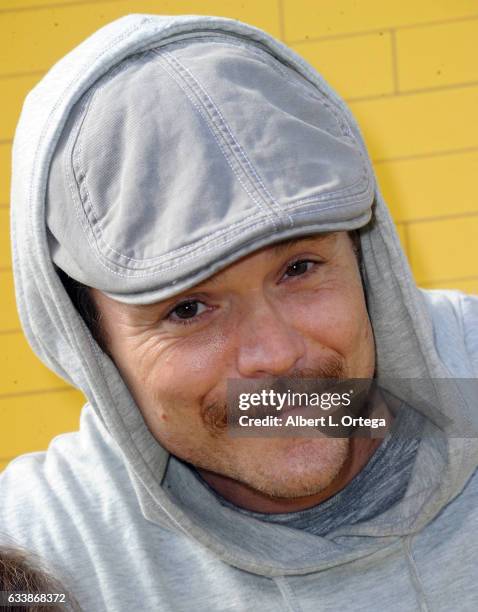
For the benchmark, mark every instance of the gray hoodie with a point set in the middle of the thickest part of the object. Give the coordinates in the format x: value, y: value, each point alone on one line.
x: 97, y: 505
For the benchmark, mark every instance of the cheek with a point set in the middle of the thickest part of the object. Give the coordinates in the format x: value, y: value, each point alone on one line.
x: 336, y: 318
x: 173, y: 376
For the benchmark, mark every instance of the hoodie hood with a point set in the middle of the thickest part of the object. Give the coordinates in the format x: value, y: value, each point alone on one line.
x: 398, y: 311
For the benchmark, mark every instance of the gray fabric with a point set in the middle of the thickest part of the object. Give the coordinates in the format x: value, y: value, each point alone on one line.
x: 376, y: 488
x: 95, y: 505
x: 123, y: 212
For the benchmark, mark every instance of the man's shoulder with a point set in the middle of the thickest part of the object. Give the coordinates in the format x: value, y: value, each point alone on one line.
x: 454, y: 316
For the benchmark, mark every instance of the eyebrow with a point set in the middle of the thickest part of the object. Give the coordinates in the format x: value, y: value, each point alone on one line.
x: 285, y: 245
x: 279, y: 248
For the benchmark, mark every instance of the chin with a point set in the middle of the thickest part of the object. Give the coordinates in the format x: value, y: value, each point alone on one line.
x: 299, y: 468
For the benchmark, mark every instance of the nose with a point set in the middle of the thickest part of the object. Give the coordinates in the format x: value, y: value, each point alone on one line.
x: 268, y: 345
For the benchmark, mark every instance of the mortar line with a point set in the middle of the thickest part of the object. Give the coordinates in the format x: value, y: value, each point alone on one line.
x: 384, y: 28
x: 40, y: 7
x: 429, y: 154
x: 393, y: 50
x: 435, y: 218
x: 36, y: 392
x: 413, y: 92
x: 19, y: 75
x: 280, y: 7
x: 448, y: 280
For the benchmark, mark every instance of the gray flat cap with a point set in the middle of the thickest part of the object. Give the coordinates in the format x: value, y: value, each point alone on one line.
x: 186, y: 157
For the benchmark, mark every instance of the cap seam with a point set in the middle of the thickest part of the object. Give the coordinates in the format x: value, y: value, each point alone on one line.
x: 343, y: 194
x: 218, y: 134
x: 349, y: 201
x: 95, y: 228
x: 99, y: 255
x: 223, y: 236
x: 111, y: 265
x: 341, y: 124
x: 273, y: 204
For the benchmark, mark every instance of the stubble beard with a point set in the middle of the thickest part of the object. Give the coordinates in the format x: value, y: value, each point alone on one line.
x: 284, y: 468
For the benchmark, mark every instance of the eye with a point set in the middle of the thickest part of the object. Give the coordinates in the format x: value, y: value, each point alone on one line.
x: 300, y: 267
x: 187, y: 310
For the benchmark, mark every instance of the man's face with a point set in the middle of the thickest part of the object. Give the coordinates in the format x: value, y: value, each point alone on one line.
x: 293, y: 309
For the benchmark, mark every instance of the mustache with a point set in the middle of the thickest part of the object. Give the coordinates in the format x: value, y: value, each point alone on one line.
x: 214, y: 415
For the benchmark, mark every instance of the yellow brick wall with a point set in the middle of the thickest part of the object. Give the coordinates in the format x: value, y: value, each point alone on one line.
x: 407, y: 69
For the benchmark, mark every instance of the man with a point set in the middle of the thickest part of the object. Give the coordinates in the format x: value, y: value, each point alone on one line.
x: 200, y: 193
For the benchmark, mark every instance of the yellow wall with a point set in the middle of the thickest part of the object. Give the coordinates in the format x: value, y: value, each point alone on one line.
x: 409, y: 72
